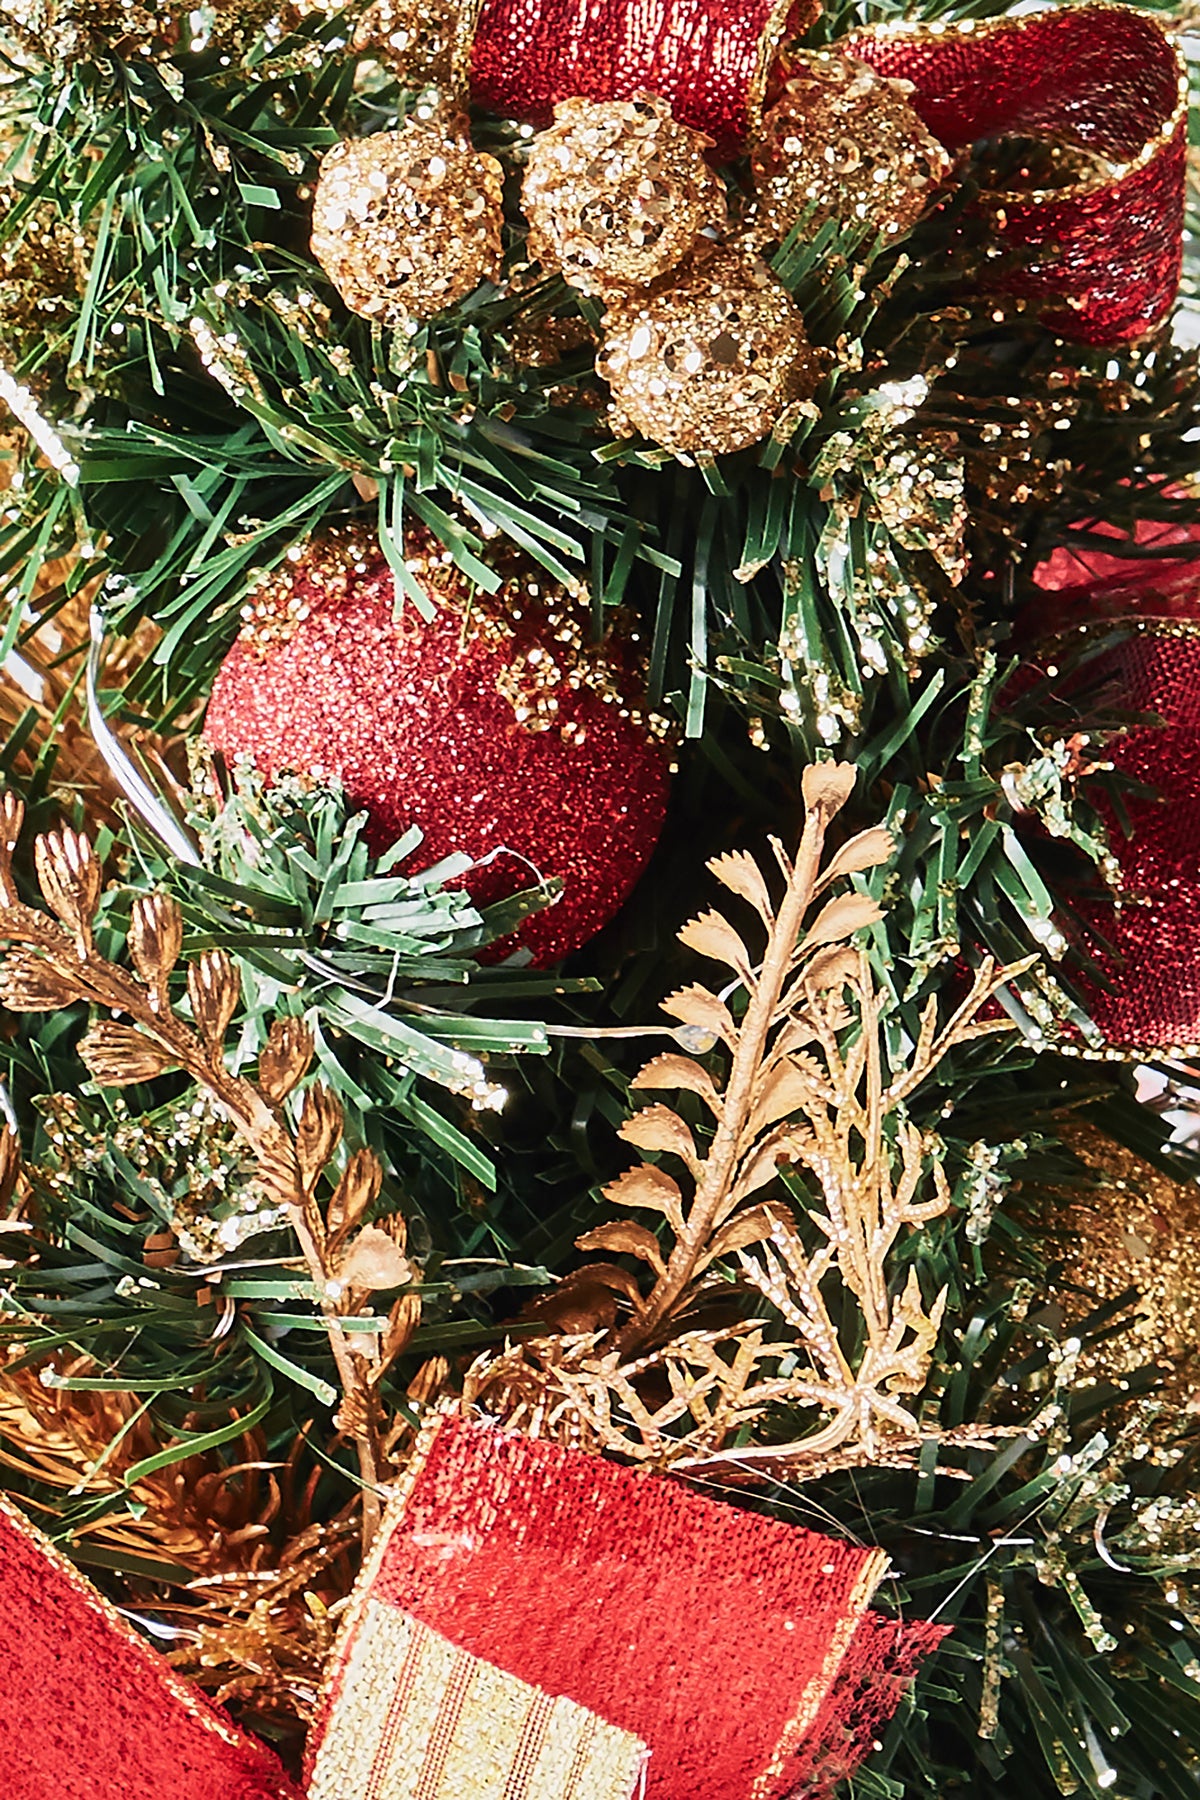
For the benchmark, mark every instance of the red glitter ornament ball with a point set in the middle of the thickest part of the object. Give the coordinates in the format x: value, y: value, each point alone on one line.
x: 495, y: 726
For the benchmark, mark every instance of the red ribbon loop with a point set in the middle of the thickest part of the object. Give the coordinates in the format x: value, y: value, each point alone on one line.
x: 1152, y: 1001
x: 1144, y: 614
x: 1097, y: 79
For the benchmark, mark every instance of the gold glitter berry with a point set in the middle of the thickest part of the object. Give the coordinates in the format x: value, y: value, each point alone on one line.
x: 707, y: 359
x: 616, y: 192
x: 408, y: 222
x: 844, y: 142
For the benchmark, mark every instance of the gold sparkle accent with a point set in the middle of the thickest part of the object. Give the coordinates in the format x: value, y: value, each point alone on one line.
x: 708, y: 359
x: 406, y: 223
x: 426, y: 42
x: 69, y: 29
x: 842, y: 142
x: 43, y: 272
x: 1139, y: 1229
x: 918, y: 491
x: 616, y: 192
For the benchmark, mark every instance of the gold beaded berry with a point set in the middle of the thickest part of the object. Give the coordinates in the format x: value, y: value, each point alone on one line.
x: 407, y: 222
x: 709, y: 358
x: 842, y: 141
x: 616, y: 192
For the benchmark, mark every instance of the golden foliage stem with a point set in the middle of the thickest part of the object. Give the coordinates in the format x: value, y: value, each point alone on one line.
x: 102, y: 983
x: 721, y: 1163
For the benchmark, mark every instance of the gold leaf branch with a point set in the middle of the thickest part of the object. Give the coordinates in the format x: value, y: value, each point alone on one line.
x: 54, y: 962
x: 807, y: 1087
x: 768, y: 1075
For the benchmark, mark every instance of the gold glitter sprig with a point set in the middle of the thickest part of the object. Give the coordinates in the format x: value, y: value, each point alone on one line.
x: 806, y: 1087
x: 53, y: 962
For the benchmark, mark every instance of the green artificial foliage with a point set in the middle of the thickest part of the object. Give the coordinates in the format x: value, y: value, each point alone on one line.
x: 212, y: 404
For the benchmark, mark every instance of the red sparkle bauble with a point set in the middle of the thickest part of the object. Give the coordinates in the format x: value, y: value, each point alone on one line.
x: 494, y: 726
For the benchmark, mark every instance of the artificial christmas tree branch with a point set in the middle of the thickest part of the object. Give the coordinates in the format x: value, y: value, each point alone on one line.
x: 851, y: 1302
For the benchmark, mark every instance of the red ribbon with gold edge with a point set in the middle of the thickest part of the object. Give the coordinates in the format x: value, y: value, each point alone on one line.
x: 747, y: 1660
x: 478, y: 1658
x: 1100, y: 80
x: 1104, y: 83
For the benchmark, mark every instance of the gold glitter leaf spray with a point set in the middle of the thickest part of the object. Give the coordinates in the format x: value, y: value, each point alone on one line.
x: 804, y: 1087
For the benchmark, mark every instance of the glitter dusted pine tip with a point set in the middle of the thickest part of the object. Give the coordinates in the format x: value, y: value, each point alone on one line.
x: 495, y: 727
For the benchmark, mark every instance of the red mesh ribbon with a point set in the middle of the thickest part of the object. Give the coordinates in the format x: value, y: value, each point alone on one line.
x: 1089, y: 577
x: 1148, y: 939
x: 710, y: 58
x: 714, y: 1636
x: 1143, y: 614
x: 876, y: 1672
x: 1097, y: 78
x: 89, y: 1712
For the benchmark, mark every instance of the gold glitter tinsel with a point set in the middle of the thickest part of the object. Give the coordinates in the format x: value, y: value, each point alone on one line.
x: 70, y: 29
x: 407, y: 222
x: 1140, y: 1229
x: 844, y: 142
x: 617, y: 192
x: 43, y: 271
x: 709, y: 358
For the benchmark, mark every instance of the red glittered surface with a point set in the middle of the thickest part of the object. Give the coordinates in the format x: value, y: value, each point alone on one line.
x: 1152, y: 1000
x: 710, y: 1633
x: 89, y: 1712
x: 708, y: 58
x: 1103, y: 80
x: 415, y: 720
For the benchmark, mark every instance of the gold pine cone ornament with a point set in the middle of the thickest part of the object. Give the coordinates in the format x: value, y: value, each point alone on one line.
x: 842, y: 142
x: 407, y: 223
x: 709, y: 358
x: 617, y: 192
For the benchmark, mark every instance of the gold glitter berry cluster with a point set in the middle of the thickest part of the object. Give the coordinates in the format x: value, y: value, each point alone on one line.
x: 703, y: 348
